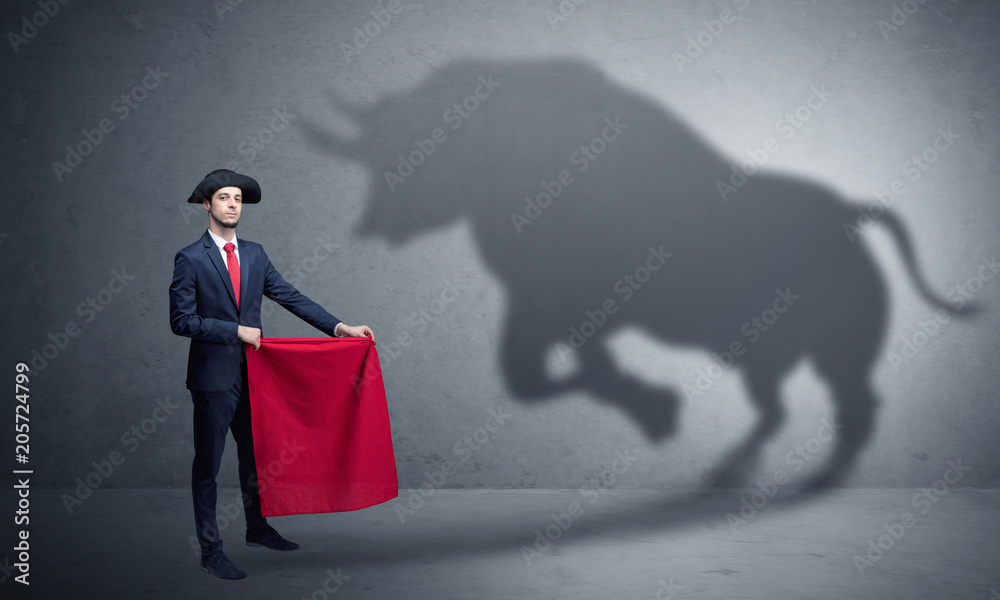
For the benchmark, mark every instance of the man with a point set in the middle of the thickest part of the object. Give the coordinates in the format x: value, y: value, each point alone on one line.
x: 215, y: 299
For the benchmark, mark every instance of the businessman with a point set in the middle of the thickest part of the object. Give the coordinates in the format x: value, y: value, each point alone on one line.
x: 215, y: 299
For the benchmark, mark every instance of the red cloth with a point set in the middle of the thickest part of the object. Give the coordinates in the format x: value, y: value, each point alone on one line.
x: 320, y: 426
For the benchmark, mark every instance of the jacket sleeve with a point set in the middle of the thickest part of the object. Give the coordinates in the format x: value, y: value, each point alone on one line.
x: 184, y: 317
x: 285, y: 294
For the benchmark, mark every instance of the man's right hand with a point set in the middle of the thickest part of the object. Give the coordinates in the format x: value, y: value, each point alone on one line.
x: 250, y: 335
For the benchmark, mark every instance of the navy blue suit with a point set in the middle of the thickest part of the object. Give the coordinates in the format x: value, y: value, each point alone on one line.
x: 203, y: 307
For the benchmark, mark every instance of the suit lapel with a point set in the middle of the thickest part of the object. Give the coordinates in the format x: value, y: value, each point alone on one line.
x: 216, y: 257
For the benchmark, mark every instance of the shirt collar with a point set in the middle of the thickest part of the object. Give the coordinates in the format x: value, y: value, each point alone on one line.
x: 221, y: 242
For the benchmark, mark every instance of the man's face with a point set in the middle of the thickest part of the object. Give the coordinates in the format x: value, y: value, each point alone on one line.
x: 225, y: 206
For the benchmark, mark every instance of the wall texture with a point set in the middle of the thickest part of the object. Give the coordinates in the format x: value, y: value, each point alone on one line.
x: 625, y: 227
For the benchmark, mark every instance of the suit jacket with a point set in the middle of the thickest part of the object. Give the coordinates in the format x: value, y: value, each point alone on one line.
x: 203, y: 308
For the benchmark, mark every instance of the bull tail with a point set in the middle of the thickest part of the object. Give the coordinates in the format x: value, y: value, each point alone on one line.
x: 902, y: 238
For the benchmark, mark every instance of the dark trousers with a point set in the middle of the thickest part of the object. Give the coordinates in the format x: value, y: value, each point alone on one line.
x: 214, y: 414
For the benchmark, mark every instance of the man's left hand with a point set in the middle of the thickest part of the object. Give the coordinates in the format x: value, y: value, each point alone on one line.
x: 357, y: 331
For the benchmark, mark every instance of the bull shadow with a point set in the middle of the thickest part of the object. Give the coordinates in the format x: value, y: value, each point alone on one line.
x: 588, y: 199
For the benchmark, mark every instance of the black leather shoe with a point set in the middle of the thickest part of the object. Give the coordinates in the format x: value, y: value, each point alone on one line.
x: 272, y: 539
x: 218, y: 564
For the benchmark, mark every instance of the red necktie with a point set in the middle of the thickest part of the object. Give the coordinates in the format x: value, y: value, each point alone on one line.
x: 234, y: 270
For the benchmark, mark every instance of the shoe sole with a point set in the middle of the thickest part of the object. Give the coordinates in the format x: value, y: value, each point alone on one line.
x: 256, y: 545
x: 207, y: 570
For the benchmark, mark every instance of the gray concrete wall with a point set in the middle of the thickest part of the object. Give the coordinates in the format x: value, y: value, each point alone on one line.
x: 834, y: 99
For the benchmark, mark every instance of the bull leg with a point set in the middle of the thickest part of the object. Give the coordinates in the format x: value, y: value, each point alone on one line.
x: 856, y: 402
x: 654, y: 409
x: 763, y: 389
x: 523, y: 357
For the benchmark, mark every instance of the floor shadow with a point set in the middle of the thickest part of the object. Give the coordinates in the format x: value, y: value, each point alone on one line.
x: 598, y: 209
x: 721, y: 512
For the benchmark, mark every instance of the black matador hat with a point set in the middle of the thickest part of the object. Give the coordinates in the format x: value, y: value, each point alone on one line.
x: 221, y: 178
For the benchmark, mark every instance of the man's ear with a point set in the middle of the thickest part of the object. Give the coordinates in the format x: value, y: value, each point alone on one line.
x: 207, y: 204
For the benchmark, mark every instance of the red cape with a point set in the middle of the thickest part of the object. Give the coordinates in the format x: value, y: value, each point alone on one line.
x: 320, y: 423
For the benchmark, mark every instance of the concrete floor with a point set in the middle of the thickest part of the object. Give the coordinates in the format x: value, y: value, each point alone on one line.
x: 622, y: 544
